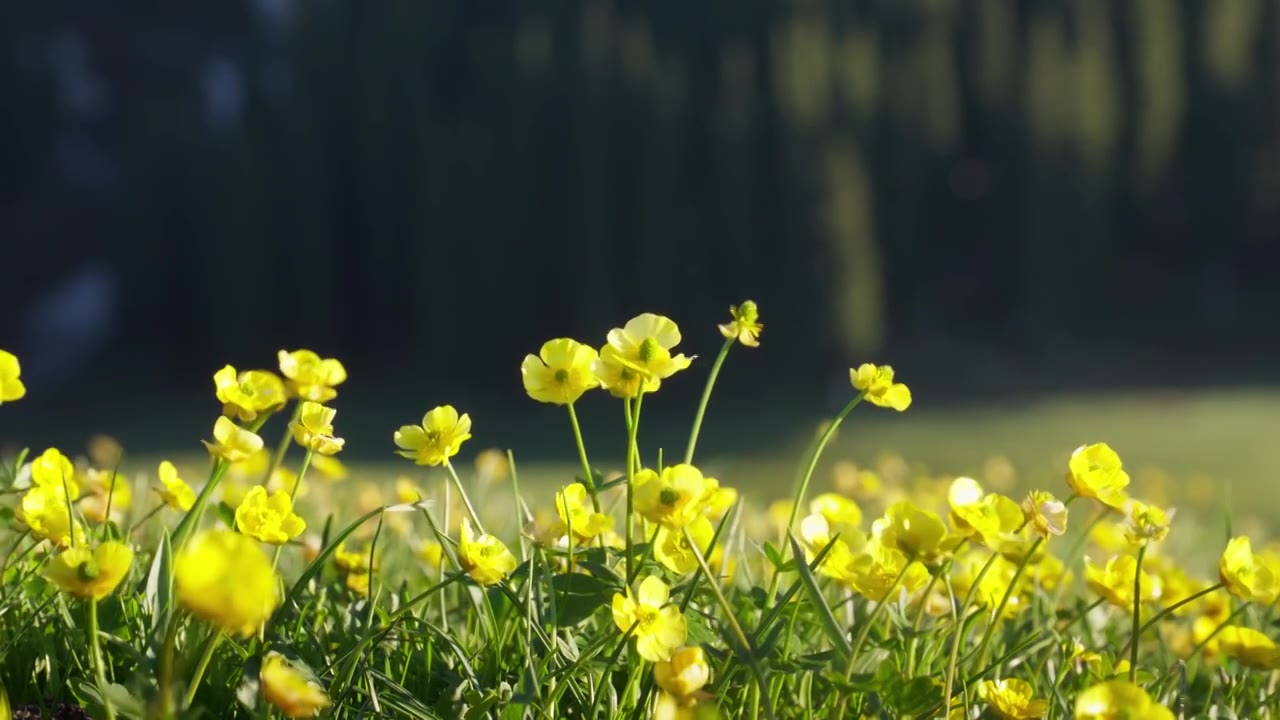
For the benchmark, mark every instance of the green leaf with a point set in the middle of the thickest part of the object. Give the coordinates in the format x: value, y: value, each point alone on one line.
x: 773, y: 555
x: 124, y: 704
x: 913, y: 696
x: 698, y: 632
x: 158, y: 593
x: 579, y: 596
x: 829, y: 624
x: 323, y: 556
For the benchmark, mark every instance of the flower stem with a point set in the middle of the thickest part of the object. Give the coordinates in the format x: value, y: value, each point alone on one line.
x: 283, y: 448
x: 205, y: 657
x: 706, y: 398
x: 875, y: 615
x: 191, y: 520
x: 582, y: 455
x: 95, y: 650
x: 1004, y: 600
x: 1137, y: 615
x: 471, y: 510
x: 293, y: 494
x: 632, y: 452
x: 1172, y: 608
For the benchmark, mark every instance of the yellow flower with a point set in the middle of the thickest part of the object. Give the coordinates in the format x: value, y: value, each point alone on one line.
x: 175, y: 491
x: 718, y: 500
x: 1245, y: 576
x: 1250, y: 647
x: 269, y: 519
x: 53, y: 469
x: 286, y: 481
x: 432, y: 553
x: 492, y: 466
x: 644, y: 345
x: 355, y: 562
x: 226, y: 579
x: 846, y: 556
x: 672, y: 549
x: 1114, y: 582
x: 874, y: 576
x: 310, y: 377
x: 407, y: 491
x: 286, y: 688
x: 659, y: 628
x: 745, y: 326
x: 330, y: 468
x: 917, y: 533
x: 358, y: 583
x: 837, y: 509
x: 675, y: 498
x: 1044, y: 513
x: 560, y: 373
x: 685, y: 673
x: 1118, y: 700
x: 619, y: 378
x: 484, y: 558
x: 44, y: 511
x: 232, y: 442
x: 1145, y: 523
x: 1013, y: 699
x: 11, y: 387
x: 994, y: 518
x: 314, y: 429
x: 877, y: 385
x: 575, y: 512
x: 1095, y: 471
x: 437, y: 439
x: 104, y: 491
x: 90, y: 574
x: 248, y: 394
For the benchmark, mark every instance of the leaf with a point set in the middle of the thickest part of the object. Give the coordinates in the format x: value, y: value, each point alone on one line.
x: 829, y: 624
x: 579, y: 596
x: 913, y: 697
x: 226, y: 514
x: 698, y: 632
x: 158, y: 594
x: 124, y: 704
x: 773, y: 555
x: 323, y: 556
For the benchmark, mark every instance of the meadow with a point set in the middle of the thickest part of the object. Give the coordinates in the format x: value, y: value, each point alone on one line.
x: 1011, y: 561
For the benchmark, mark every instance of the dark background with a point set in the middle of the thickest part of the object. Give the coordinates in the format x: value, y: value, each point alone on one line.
x: 1000, y: 198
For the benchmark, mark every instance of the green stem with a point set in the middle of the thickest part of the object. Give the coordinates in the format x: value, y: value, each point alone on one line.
x: 293, y: 494
x: 1172, y: 608
x: 99, y: 670
x: 283, y: 448
x: 632, y: 452
x: 960, y: 633
x: 582, y: 455
x: 1137, y: 615
x: 706, y: 398
x: 191, y: 520
x: 166, y: 666
x: 875, y: 615
x: 471, y: 510
x: 1004, y: 600
x: 205, y: 657
x: 1234, y: 613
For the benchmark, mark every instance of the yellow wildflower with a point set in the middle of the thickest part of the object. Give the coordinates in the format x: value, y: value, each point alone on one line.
x: 269, y: 519
x: 644, y: 345
x: 993, y: 518
x: 355, y: 562
x: 685, y: 673
x: 291, y: 692
x: 846, y: 555
x: 745, y: 326
x: 1250, y: 647
x: 718, y: 500
x: 675, y: 498
x: 575, y: 512
x: 284, y: 480
x: 106, y: 488
x: 437, y: 439
x: 874, y: 578
x: 877, y: 385
x: 837, y: 509
x: 1114, y: 581
x: 1013, y: 699
x: 1145, y: 523
x: 11, y: 387
x: 175, y: 491
x: 232, y: 442
x: 917, y: 533
x: 311, y: 377
x: 407, y: 491
x: 619, y: 378
x: 492, y: 466
x: 659, y: 628
x: 1044, y: 513
x: 248, y: 394
x: 1095, y: 471
x: 53, y: 469
x: 672, y: 549
x: 560, y: 373
x: 1245, y: 576
x: 329, y: 467
x: 1118, y: 700
x: 485, y: 558
x: 358, y: 583
x: 90, y: 574
x: 432, y: 553
x: 45, y: 512
x: 314, y: 429
x: 226, y: 579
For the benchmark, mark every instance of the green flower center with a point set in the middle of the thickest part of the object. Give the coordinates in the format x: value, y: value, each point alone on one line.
x: 246, y: 389
x: 88, y: 570
x: 648, y: 349
x: 562, y: 376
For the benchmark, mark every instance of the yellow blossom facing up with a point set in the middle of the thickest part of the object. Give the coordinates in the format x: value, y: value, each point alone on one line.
x: 248, y: 394
x: 1145, y: 523
x: 1118, y: 700
x: 745, y: 327
x: 437, y: 439
x: 44, y: 511
x: 1095, y: 471
x: 916, y: 532
x: 1109, y: 537
x: 1044, y: 513
x: 874, y: 575
x: 644, y: 345
x: 232, y: 442
x: 846, y: 556
x: 1013, y: 699
x: 53, y: 469
x: 330, y: 468
x: 877, y: 386
x: 840, y: 511
x: 685, y: 673
x: 269, y: 519
x: 991, y: 587
x: 991, y: 518
x: 11, y: 387
x: 485, y: 558
x: 574, y: 507
x: 658, y: 628
x: 561, y: 371
x: 224, y: 578
x: 310, y: 377
x: 175, y: 491
x: 357, y: 583
x: 1245, y: 576
x: 1114, y: 581
x: 675, y: 498
x: 407, y: 491
x: 718, y: 500
x: 1250, y: 647
x: 90, y: 574
x: 107, y: 492
x: 672, y: 549
x: 286, y: 688
x: 313, y: 429
x: 619, y: 378
x: 355, y: 562
x: 432, y: 554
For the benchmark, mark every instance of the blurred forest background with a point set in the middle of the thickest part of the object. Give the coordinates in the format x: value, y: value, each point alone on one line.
x: 995, y: 196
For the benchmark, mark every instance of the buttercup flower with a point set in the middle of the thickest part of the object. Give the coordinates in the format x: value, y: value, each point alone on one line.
x: 685, y: 673
x: 330, y: 468
x: 837, y: 509
x: 354, y: 561
x: 486, y: 559
x: 1013, y: 699
x: 1145, y: 523
x: 175, y: 491
x: 53, y: 469
x: 671, y: 548
x: 1245, y: 576
x: 674, y: 499
x: 107, y: 492
x: 437, y: 439
x: 1118, y: 700
x: 745, y: 326
x: 917, y: 533
x: 247, y: 394
x: 286, y: 688
x: 1095, y: 471
x: 269, y: 519
x: 90, y: 574
x: 311, y: 377
x: 1044, y: 513
x: 877, y: 385
x: 644, y: 345
x: 620, y: 379
x: 224, y: 577
x: 1250, y: 647
x: 232, y: 442
x: 993, y: 518
x: 874, y: 577
x: 44, y: 511
x: 560, y: 373
x: 432, y: 553
x: 575, y: 512
x: 314, y: 429
x: 1115, y: 581
x: 11, y: 387
x: 846, y: 556
x: 659, y: 628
